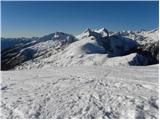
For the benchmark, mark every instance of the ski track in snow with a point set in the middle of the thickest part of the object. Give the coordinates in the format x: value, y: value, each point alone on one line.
x: 81, y: 92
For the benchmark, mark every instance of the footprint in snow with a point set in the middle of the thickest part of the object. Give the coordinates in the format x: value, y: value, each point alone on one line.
x: 4, y: 88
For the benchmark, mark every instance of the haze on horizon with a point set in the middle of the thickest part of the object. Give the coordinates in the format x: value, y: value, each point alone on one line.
x: 38, y: 18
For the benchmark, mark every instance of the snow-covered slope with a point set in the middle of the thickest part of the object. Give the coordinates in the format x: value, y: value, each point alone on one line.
x: 51, y: 43
x: 142, y: 37
x: 91, y: 47
x: 79, y: 52
x: 42, y: 47
x: 151, y: 36
x: 81, y: 92
x: 95, y: 47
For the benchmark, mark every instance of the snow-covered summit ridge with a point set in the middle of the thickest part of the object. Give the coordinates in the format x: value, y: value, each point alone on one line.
x: 91, y: 47
x: 96, y: 33
x: 53, y: 40
x: 56, y: 36
x: 103, y: 31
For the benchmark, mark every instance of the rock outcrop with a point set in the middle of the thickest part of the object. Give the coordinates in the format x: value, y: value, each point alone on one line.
x: 150, y: 50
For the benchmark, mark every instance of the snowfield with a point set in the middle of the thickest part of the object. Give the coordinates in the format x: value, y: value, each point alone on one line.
x: 81, y: 92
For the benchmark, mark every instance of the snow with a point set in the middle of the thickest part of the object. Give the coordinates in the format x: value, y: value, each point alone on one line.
x: 122, y: 60
x: 62, y: 49
x: 74, y: 77
x: 142, y: 37
x: 79, y: 52
x: 153, y: 35
x: 51, y: 42
x: 87, y: 50
x: 102, y: 31
x: 81, y: 92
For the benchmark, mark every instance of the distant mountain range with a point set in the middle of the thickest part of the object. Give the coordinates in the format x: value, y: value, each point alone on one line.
x: 92, y: 47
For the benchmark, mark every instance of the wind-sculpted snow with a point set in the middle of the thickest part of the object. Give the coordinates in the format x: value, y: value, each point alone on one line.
x: 81, y: 92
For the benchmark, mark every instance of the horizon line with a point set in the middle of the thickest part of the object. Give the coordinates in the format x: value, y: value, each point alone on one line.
x: 75, y: 34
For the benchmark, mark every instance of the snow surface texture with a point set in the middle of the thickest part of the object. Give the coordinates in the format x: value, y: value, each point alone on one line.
x: 81, y: 92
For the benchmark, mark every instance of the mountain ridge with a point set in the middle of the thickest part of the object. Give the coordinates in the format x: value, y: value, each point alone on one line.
x: 96, y: 45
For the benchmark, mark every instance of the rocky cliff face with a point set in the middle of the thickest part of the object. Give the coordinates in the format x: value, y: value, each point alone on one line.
x: 150, y: 50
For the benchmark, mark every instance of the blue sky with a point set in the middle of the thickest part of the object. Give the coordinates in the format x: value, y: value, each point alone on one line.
x: 28, y: 19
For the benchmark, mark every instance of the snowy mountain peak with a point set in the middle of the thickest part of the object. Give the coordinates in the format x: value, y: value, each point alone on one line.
x: 94, y: 33
x: 154, y: 31
x: 103, y: 32
x: 86, y: 33
x: 87, y: 30
x: 56, y: 36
